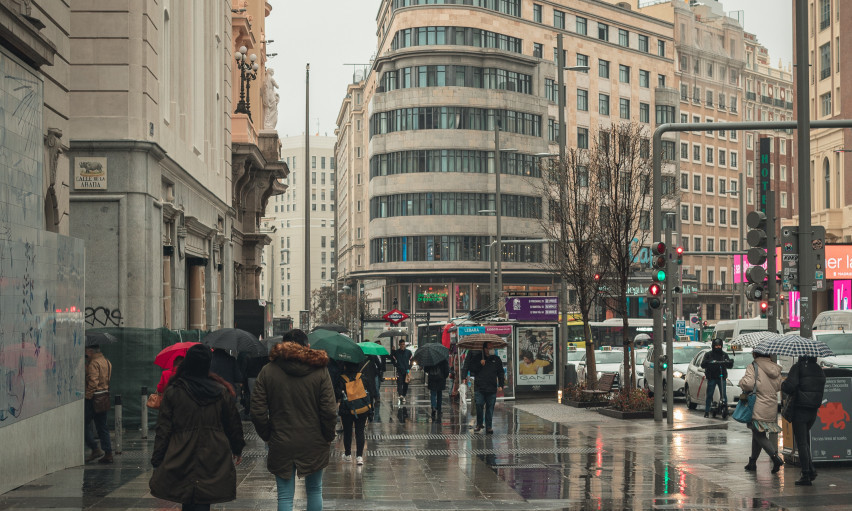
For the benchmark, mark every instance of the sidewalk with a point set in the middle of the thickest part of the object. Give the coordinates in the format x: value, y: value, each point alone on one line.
x: 544, y: 456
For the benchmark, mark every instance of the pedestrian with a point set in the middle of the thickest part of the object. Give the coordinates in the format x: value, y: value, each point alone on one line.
x: 401, y: 359
x: 199, y: 437
x: 805, y: 384
x: 167, y: 374
x: 98, y: 373
x: 764, y: 417
x: 487, y: 369
x: 352, y: 409
x: 294, y: 411
x: 379, y: 371
x: 225, y: 366
x: 716, y: 365
x: 436, y: 381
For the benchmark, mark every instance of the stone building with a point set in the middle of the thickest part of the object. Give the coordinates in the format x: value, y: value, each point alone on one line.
x: 443, y: 76
x: 42, y: 269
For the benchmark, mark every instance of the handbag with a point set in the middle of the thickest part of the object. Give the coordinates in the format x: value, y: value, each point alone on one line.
x: 407, y: 377
x: 154, y: 401
x: 745, y: 407
x: 788, y: 410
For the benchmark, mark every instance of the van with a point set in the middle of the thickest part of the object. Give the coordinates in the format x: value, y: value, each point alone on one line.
x: 729, y: 329
x: 834, y: 320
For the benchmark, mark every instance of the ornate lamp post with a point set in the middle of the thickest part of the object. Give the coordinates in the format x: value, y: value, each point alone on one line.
x: 248, y: 72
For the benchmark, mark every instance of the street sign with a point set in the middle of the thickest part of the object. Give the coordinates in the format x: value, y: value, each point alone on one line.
x: 818, y: 244
x: 395, y: 316
x: 693, y: 318
x: 790, y: 258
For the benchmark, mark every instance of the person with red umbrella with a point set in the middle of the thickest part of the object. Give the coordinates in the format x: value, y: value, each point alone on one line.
x: 169, y: 359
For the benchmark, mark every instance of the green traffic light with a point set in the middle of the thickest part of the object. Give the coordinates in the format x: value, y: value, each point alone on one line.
x: 660, y: 276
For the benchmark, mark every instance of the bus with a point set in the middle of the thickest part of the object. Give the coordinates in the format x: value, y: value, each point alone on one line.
x: 608, y: 332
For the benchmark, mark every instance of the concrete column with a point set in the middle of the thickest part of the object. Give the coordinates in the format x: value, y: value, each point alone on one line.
x: 197, y: 298
x: 228, y: 284
x: 167, y: 291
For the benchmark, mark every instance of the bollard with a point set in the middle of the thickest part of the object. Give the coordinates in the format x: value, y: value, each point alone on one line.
x: 144, y: 413
x: 118, y: 426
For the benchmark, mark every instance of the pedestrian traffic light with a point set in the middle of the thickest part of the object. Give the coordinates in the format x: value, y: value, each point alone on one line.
x: 655, y: 296
x: 664, y: 362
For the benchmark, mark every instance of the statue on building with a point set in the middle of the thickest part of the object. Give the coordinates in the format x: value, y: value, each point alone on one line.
x: 270, y: 101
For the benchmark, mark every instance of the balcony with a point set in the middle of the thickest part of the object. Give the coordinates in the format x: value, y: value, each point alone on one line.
x: 766, y: 100
x: 717, y: 288
x: 751, y: 96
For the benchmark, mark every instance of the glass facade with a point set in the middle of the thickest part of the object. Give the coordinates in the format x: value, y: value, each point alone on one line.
x: 452, y: 160
x: 510, y: 7
x: 456, y: 76
x: 452, y: 203
x: 447, y: 248
x: 454, y: 117
x: 458, y: 36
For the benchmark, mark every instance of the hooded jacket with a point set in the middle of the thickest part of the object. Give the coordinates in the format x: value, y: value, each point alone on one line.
x: 768, y: 385
x: 716, y: 363
x: 198, y: 429
x: 294, y: 411
x: 806, y: 381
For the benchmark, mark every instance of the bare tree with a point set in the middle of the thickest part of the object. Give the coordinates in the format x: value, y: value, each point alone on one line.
x: 330, y: 307
x: 622, y: 160
x: 572, y: 194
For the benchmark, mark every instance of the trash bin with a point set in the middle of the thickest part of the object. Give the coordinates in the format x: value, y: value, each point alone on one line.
x: 570, y: 375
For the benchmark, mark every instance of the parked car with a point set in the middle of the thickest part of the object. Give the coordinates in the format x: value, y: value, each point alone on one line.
x: 840, y: 343
x: 683, y: 352
x: 640, y: 368
x: 607, y: 360
x: 695, y: 386
x: 834, y: 320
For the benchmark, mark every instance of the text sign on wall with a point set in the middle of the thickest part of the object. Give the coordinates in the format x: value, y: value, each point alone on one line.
x: 90, y: 173
x: 831, y: 439
x: 765, y: 149
x: 533, y: 308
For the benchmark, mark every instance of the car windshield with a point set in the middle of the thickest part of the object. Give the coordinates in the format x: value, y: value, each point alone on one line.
x: 573, y: 356
x: 840, y: 343
x: 741, y: 359
x: 684, y: 355
x: 608, y: 357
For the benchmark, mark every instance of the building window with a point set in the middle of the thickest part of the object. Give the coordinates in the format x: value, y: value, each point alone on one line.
x: 825, y: 13
x: 582, y: 100
x: 603, y: 68
x: 665, y: 114
x: 710, y: 182
x: 623, y: 73
x: 696, y: 153
x: 313, y: 162
x: 825, y: 61
x: 749, y: 197
x: 603, y: 104
x: 582, y: 25
x: 783, y: 172
x: 583, y: 138
x: 709, y: 158
x: 644, y: 112
x: 696, y: 214
x: 668, y: 150
x: 697, y: 248
x: 538, y: 50
x: 696, y: 183
x: 684, y: 213
x: 643, y: 44
x: 722, y: 158
x: 623, y: 38
x: 827, y: 184
x: 723, y: 216
x: 537, y: 13
x: 684, y: 150
x: 558, y: 19
x: 583, y: 60
x: 783, y: 199
x: 661, y: 81
x: 825, y: 104
x: 661, y: 48
x: 644, y: 78
x: 709, y: 98
x: 603, y: 32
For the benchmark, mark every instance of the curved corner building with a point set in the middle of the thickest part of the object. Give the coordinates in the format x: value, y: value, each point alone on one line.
x: 417, y: 158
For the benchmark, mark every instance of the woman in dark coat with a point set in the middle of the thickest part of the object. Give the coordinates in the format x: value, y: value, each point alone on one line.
x: 351, y: 422
x: 436, y: 380
x: 293, y: 410
x: 198, y: 431
x: 805, y: 384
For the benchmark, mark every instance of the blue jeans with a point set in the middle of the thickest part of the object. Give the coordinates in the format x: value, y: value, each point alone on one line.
x: 287, y: 488
x: 711, y: 389
x: 436, y: 397
x: 100, y: 420
x: 486, y: 400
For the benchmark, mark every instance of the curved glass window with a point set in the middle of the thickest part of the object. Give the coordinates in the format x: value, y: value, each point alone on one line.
x: 452, y: 203
x: 510, y: 7
x: 457, y: 76
x: 448, y: 248
x: 458, y: 36
x: 454, y: 117
x: 452, y: 160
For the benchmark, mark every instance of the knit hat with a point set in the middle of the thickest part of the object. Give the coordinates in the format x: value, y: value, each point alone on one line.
x: 197, y: 361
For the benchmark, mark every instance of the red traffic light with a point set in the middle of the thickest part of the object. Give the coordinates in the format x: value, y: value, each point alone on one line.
x: 679, y: 251
x: 655, y: 290
x: 659, y: 248
x: 597, y: 277
x: 764, y: 306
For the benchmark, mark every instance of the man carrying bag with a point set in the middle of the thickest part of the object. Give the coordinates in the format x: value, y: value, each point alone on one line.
x: 98, y: 373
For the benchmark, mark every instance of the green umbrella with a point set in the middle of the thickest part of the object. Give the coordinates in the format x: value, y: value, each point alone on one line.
x: 372, y: 348
x: 337, y: 346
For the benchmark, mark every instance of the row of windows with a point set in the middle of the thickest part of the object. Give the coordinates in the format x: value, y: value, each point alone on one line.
x: 510, y: 7
x: 710, y: 68
x: 710, y: 216
x: 448, y: 248
x: 454, y: 117
x: 721, y: 134
x: 581, y: 27
x: 460, y: 36
x: 452, y: 160
x: 452, y: 203
x: 712, y: 156
x: 710, y: 246
x: 725, y: 186
x: 696, y: 98
x: 458, y: 76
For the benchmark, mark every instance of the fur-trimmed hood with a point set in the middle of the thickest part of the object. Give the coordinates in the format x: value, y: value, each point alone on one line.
x: 297, y: 360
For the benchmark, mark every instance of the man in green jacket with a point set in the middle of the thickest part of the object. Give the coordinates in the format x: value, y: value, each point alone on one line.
x: 293, y: 409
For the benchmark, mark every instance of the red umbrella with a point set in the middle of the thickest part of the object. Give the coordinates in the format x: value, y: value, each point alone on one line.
x: 445, y: 335
x: 166, y: 358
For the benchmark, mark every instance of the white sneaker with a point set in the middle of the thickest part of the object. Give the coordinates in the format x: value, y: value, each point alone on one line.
x: 359, y: 460
x: 347, y: 457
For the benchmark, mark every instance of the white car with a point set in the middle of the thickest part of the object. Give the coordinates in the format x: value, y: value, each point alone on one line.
x: 606, y: 361
x: 640, y: 354
x: 695, y: 387
x: 683, y: 354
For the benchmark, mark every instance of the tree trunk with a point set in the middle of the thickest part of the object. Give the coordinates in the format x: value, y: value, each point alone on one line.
x: 591, y: 366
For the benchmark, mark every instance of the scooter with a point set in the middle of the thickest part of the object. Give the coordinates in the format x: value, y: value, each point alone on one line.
x: 721, y: 406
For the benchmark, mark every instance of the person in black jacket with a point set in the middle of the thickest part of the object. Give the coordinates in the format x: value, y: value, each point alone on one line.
x: 487, y: 369
x: 716, y: 365
x: 401, y: 359
x: 805, y: 384
x: 436, y: 380
x: 353, y: 372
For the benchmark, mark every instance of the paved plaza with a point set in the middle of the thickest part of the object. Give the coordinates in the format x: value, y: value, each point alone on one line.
x: 543, y: 456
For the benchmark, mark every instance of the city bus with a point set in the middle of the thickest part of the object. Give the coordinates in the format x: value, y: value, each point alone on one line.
x: 608, y: 332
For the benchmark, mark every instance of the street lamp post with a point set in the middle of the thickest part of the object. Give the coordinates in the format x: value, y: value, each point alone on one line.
x: 344, y: 290
x: 498, y: 169
x: 491, y: 289
x: 248, y: 72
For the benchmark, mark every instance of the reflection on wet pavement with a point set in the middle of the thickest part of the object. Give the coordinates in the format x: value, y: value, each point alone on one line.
x: 413, y: 462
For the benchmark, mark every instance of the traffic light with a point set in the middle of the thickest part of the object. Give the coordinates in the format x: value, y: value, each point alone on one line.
x: 655, y: 296
x: 664, y: 362
x: 597, y: 277
x: 659, y: 262
x: 764, y: 306
x: 756, y: 275
x: 679, y: 252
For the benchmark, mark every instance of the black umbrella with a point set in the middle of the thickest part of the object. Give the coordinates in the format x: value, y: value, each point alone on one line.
x: 235, y: 341
x: 98, y: 338
x: 431, y: 354
x: 334, y: 328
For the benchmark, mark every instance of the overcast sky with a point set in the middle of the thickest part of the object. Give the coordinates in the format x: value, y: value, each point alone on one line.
x: 331, y: 33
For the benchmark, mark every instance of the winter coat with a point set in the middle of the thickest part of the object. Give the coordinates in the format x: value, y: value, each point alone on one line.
x: 487, y: 377
x: 768, y: 385
x: 198, y: 430
x: 98, y: 372
x: 401, y: 360
x: 437, y: 375
x: 226, y: 366
x: 806, y: 381
x: 294, y: 411
x: 716, y: 363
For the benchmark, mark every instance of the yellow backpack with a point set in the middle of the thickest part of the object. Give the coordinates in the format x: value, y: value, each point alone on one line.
x: 355, y: 396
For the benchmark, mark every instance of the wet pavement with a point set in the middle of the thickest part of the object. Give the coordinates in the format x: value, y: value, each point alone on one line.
x: 543, y: 456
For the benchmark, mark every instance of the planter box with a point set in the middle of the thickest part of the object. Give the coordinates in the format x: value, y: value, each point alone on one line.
x: 618, y: 414
x: 585, y: 404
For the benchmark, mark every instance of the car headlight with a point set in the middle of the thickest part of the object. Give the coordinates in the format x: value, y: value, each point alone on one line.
x: 823, y: 363
x: 678, y: 374
x: 599, y: 374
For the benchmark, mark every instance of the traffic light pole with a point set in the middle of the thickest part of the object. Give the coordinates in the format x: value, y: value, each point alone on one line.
x: 771, y: 263
x: 804, y: 125
x: 669, y: 389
